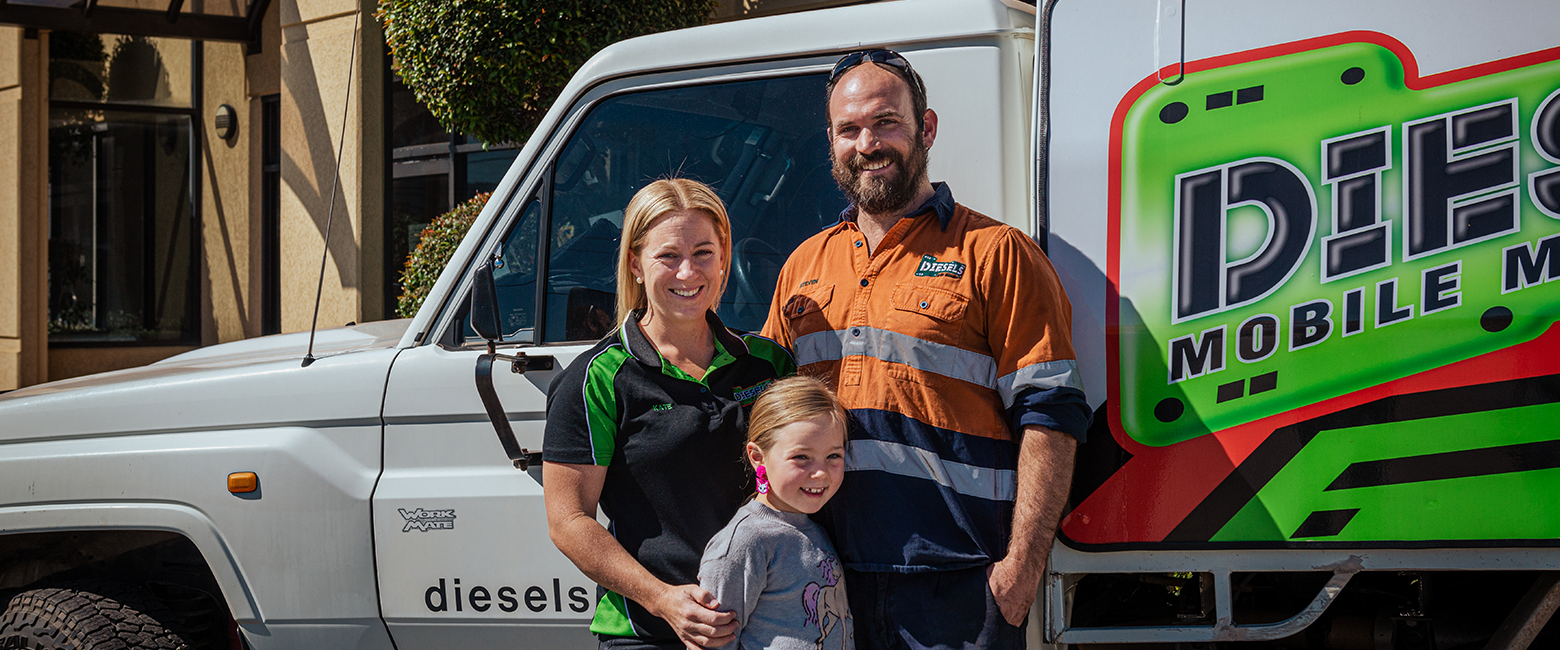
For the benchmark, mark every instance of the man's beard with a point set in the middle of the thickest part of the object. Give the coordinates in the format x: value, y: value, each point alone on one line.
x: 882, y: 195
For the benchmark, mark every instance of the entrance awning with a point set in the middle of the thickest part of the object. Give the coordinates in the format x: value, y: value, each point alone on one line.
x: 235, y: 21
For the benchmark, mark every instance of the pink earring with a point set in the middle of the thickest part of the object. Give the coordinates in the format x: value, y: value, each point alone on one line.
x: 763, y: 479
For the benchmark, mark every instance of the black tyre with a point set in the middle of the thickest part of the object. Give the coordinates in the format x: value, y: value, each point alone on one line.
x: 87, y: 615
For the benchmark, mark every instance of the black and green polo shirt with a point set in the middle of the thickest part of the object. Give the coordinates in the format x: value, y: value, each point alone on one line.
x: 672, y: 446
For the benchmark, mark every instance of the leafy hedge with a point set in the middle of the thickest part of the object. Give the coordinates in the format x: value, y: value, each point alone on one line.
x: 438, y: 244
x: 491, y: 68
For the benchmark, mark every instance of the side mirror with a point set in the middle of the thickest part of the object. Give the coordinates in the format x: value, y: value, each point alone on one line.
x: 484, y: 304
x: 484, y: 319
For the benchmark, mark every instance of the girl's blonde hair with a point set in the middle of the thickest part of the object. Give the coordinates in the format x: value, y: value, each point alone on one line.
x: 788, y: 401
x: 648, y: 205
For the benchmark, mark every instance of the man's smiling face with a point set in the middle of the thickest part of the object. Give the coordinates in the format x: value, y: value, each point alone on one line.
x: 878, y: 151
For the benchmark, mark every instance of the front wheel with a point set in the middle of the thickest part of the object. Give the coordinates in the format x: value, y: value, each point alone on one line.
x: 87, y: 615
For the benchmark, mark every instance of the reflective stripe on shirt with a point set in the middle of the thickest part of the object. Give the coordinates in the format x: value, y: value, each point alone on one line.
x: 905, y: 460
x: 936, y: 358
x: 1062, y: 373
x: 923, y: 355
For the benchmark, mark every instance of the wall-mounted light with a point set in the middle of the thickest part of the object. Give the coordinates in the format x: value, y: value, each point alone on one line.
x: 227, y: 122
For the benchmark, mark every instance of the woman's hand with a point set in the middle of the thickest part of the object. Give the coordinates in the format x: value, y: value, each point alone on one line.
x: 571, y: 492
x: 693, y: 614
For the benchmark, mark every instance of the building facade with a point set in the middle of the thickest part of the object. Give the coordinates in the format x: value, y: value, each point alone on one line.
x: 168, y: 169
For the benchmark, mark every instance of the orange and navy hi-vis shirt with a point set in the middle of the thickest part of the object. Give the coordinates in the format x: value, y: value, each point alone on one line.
x: 943, y: 344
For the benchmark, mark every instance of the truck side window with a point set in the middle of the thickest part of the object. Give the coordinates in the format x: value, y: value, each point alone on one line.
x: 760, y: 144
x: 515, y: 279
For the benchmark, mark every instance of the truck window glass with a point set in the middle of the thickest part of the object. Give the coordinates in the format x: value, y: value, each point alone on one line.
x: 515, y: 279
x: 760, y: 144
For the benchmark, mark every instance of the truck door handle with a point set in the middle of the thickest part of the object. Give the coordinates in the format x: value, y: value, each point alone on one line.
x: 519, y: 364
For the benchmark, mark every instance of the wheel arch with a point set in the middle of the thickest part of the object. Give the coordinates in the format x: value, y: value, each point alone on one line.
x: 119, y: 527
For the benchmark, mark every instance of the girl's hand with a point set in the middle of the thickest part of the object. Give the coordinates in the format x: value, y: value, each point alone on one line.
x: 692, y: 613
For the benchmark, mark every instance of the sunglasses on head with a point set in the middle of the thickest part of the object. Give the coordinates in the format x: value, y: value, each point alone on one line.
x: 885, y: 57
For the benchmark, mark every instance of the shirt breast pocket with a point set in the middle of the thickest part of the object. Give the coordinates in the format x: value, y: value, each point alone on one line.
x: 920, y: 307
x: 931, y: 314
x: 804, y: 311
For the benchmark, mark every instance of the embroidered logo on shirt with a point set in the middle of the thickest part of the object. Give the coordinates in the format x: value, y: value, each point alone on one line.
x: 747, y: 395
x: 808, y: 283
x: 661, y: 407
x: 931, y: 268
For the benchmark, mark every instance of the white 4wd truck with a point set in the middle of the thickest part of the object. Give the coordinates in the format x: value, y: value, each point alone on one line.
x: 1308, y: 247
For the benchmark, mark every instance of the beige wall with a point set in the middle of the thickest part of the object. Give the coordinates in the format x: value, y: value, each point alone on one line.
x: 228, y: 309
x: 10, y: 205
x: 317, y: 44
x: 23, y: 237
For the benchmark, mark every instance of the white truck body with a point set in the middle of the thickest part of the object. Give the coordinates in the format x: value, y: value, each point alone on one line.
x: 387, y: 509
x: 332, y: 551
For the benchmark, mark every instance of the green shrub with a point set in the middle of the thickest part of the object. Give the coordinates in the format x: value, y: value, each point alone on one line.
x: 491, y: 68
x: 438, y: 242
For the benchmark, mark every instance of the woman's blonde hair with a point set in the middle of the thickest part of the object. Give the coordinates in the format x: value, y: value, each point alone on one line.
x: 648, y: 205
x: 788, y: 401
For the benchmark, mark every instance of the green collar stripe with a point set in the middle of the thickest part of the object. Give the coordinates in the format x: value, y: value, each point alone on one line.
x: 601, y: 405
x: 722, y: 358
x: 774, y: 353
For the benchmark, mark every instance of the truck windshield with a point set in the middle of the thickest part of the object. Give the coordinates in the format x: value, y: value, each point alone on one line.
x: 760, y: 144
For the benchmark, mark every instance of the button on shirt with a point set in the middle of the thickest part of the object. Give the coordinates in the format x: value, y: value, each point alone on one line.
x: 943, y: 343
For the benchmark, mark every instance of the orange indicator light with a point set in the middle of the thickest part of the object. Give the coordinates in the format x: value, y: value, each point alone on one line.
x: 241, y: 482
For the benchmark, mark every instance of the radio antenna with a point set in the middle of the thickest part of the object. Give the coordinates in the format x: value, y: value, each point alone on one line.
x: 330, y: 213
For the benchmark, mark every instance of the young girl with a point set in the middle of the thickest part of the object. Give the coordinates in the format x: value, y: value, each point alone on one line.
x: 772, y: 565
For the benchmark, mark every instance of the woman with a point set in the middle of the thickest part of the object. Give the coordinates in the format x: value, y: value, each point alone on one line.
x: 650, y: 423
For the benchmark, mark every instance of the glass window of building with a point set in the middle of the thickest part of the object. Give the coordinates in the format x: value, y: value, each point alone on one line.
x: 431, y: 172
x: 122, y: 188
x: 271, y: 214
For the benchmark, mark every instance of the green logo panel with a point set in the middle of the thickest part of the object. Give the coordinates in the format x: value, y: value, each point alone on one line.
x: 1297, y: 228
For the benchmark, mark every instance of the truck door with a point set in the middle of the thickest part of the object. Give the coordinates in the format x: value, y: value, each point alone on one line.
x: 464, y: 555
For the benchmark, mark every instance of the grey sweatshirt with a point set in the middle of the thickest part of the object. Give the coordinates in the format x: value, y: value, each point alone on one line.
x: 779, y: 573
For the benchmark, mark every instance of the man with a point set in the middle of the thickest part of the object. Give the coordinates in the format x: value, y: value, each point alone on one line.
x: 947, y: 336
